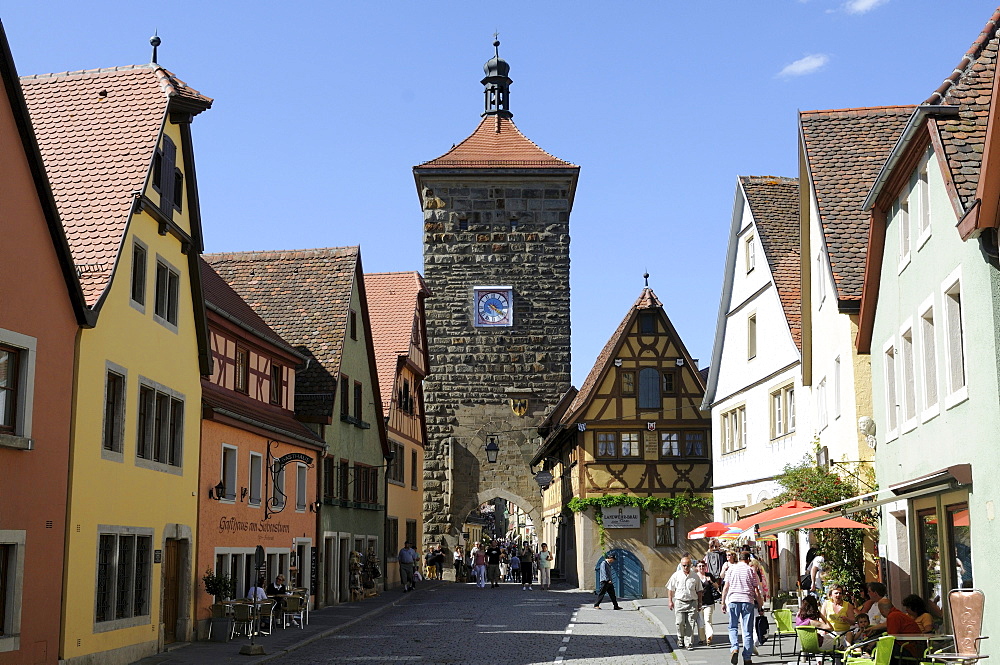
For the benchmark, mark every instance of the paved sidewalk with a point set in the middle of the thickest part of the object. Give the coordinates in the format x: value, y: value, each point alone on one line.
x: 716, y: 653
x: 280, y: 642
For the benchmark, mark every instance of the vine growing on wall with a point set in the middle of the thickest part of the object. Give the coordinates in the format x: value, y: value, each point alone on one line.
x: 674, y: 506
x: 843, y: 549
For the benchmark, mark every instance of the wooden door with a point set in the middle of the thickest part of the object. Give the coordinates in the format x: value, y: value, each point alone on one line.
x: 171, y: 590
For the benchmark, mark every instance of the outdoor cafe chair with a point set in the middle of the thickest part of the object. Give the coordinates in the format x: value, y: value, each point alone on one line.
x: 783, y: 627
x: 294, y: 607
x: 881, y: 656
x: 266, y: 611
x: 966, y: 608
x: 243, y: 618
x: 809, y: 645
x: 218, y: 611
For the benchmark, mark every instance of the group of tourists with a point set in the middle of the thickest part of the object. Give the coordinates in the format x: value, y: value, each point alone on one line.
x: 492, y: 563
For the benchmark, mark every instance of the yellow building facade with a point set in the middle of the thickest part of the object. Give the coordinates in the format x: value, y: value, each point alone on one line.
x: 132, y: 509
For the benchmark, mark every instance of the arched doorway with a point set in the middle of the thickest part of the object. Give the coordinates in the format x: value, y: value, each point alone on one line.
x: 626, y: 573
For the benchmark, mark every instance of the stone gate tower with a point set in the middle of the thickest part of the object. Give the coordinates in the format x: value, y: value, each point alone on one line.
x: 496, y: 260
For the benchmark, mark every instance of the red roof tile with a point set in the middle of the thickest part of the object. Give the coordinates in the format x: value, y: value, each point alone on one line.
x: 496, y: 143
x: 392, y: 310
x: 774, y: 203
x: 305, y: 296
x: 845, y: 150
x: 263, y: 415
x: 970, y: 87
x: 97, y: 131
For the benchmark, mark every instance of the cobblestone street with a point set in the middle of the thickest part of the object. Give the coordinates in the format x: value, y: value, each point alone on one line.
x: 463, y: 625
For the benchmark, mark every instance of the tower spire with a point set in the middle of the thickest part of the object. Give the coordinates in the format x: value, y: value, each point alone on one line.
x: 154, y: 41
x: 497, y: 84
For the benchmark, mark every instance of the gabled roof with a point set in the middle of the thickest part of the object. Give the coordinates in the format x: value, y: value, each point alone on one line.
x: 251, y: 412
x: 43, y: 189
x: 98, y: 130
x: 222, y: 299
x: 497, y: 143
x: 393, y: 302
x: 845, y: 150
x: 969, y: 86
x: 774, y: 203
x: 304, y: 296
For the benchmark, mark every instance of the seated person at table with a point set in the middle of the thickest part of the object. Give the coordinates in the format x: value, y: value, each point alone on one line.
x: 277, y: 587
x: 897, y: 623
x: 256, y: 592
x: 809, y: 615
x: 915, y: 607
x: 837, y: 610
x: 862, y: 633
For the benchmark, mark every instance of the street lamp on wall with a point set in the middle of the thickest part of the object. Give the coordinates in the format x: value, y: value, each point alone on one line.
x: 492, y: 448
x: 219, y: 490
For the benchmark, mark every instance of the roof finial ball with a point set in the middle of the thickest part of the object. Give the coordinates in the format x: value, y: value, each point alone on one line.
x: 645, y: 276
x: 154, y: 42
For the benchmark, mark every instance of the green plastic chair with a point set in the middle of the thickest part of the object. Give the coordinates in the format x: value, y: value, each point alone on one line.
x: 882, y: 655
x: 809, y: 645
x: 783, y: 627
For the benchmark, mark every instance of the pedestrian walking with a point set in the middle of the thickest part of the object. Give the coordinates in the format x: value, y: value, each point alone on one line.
x: 479, y: 566
x: 741, y: 594
x: 493, y: 553
x: 684, y: 594
x: 527, y: 567
x: 715, y: 558
x: 459, y: 557
x: 710, y: 593
x: 607, y: 586
x: 515, y: 566
x: 545, y: 560
x: 407, y: 558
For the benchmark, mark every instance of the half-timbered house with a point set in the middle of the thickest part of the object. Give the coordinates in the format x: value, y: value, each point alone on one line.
x: 635, y: 428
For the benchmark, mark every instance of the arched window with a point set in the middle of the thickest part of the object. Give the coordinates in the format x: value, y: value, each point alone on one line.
x: 649, y: 389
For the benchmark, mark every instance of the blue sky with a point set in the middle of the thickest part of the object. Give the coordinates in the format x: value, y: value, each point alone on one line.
x: 322, y: 108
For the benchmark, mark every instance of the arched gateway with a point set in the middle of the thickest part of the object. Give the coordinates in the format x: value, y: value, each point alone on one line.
x: 496, y: 260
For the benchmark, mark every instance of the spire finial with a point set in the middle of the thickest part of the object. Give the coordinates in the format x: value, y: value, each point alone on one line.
x: 497, y: 83
x: 154, y: 41
x: 645, y: 276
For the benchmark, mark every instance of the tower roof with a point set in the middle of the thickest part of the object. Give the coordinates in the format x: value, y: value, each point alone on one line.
x: 497, y: 143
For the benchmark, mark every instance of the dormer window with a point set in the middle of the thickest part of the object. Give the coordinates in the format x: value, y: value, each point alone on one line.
x: 168, y: 180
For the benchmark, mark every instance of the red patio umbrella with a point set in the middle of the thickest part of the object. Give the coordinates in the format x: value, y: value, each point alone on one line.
x: 784, y: 510
x: 709, y: 530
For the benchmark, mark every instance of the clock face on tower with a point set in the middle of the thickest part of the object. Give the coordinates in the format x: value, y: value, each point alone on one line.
x: 493, y: 306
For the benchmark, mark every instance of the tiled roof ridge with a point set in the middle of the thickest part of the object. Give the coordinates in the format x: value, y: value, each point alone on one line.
x: 970, y: 56
x: 171, y: 85
x: 768, y: 179
x: 499, y: 120
x: 282, y: 254
x: 860, y: 110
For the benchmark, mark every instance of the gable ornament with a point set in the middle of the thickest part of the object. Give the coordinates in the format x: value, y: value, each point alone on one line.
x: 651, y: 426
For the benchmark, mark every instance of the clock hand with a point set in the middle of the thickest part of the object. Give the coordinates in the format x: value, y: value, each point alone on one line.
x: 494, y: 308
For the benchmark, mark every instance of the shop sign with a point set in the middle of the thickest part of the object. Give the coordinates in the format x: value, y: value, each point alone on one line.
x: 620, y: 517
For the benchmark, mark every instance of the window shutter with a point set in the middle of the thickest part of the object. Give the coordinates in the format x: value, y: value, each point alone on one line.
x: 166, y: 183
x: 649, y: 389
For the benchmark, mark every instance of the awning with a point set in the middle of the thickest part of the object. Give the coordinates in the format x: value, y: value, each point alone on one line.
x: 944, y: 480
x: 752, y: 509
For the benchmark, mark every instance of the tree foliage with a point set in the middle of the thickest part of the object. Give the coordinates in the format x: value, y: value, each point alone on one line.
x: 674, y: 506
x: 843, y: 549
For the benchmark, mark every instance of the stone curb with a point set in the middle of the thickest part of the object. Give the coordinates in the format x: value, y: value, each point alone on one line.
x: 668, y: 636
x: 330, y: 631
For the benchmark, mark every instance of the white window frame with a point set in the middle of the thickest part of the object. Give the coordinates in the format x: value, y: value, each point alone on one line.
x: 907, y: 378
x: 256, y: 495
x: 301, y: 480
x: 901, y: 217
x: 750, y: 254
x: 820, y: 280
x: 929, y: 409
x: 836, y: 387
x: 822, y: 416
x: 923, y: 187
x: 21, y: 438
x: 751, y: 336
x: 11, y: 638
x: 954, y: 395
x: 732, y: 423
x: 782, y: 410
x: 229, y: 472
x: 890, y: 389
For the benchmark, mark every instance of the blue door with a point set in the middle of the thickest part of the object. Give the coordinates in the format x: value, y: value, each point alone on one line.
x: 626, y: 573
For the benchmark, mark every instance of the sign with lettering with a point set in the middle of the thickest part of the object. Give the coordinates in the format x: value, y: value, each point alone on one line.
x: 543, y: 478
x: 294, y: 457
x: 650, y: 445
x: 157, y: 556
x: 620, y: 517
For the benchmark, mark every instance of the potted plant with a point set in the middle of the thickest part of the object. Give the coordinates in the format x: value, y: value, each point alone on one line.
x: 222, y: 587
x: 781, y: 599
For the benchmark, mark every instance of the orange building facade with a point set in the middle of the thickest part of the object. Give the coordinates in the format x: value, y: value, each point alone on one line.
x: 258, y: 469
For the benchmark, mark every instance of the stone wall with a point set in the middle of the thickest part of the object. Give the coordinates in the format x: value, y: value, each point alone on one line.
x: 491, y: 231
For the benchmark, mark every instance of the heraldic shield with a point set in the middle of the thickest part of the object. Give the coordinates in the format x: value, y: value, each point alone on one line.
x: 519, y: 405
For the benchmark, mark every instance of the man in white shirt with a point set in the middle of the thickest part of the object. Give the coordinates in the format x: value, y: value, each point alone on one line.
x: 684, y: 591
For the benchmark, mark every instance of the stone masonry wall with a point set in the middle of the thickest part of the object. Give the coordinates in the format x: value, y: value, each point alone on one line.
x: 499, y: 231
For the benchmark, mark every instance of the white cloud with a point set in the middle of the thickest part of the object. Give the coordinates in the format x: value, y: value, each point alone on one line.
x: 806, y: 65
x: 862, y: 6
